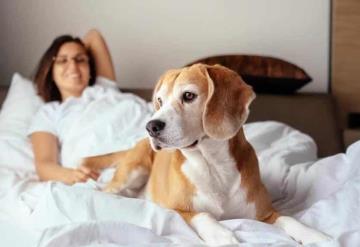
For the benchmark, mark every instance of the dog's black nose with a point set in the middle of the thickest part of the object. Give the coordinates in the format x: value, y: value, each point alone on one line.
x: 154, y: 127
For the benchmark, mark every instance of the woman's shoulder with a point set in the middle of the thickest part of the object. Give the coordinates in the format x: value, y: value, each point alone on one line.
x: 103, y: 86
x: 105, y: 82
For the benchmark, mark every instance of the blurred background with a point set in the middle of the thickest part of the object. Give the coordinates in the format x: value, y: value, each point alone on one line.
x: 148, y: 37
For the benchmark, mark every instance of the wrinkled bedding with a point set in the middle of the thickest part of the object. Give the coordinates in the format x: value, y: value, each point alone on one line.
x: 321, y: 193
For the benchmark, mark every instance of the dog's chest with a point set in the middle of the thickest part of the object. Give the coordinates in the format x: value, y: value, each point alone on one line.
x: 217, y: 183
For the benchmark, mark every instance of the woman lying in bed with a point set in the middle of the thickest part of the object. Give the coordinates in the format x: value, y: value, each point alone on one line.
x: 68, y: 67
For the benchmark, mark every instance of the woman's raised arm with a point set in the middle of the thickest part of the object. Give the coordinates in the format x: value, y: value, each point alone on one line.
x: 95, y: 42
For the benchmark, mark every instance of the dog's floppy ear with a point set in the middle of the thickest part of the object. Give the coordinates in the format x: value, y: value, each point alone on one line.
x: 227, y: 105
x: 169, y: 75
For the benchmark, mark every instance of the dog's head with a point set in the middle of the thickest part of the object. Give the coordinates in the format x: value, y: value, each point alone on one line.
x: 198, y: 101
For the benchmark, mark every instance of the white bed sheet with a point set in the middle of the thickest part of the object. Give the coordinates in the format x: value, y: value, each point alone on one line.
x: 321, y: 193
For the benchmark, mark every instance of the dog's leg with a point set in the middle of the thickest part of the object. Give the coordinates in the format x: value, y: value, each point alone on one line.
x: 97, y: 163
x: 209, y: 229
x: 298, y: 231
x: 133, y: 171
x: 128, y: 179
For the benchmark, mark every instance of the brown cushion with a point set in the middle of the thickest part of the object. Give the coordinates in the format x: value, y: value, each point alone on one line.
x: 264, y: 74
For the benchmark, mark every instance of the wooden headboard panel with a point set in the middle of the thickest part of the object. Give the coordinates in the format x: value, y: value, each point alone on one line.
x: 346, y: 57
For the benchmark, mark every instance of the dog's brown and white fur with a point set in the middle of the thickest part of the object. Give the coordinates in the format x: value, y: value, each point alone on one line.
x: 202, y: 167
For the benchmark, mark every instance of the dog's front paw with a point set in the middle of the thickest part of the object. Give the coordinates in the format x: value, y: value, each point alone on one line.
x: 89, y: 163
x: 211, y: 231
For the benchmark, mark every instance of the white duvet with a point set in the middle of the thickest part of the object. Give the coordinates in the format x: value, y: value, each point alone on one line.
x: 321, y: 193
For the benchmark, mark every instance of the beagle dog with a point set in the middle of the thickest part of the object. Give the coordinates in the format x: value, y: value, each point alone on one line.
x: 197, y: 160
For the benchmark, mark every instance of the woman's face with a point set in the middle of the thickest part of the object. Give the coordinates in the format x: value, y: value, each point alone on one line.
x: 71, y: 70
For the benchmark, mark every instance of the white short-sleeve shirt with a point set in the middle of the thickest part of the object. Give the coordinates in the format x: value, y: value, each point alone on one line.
x: 53, y: 117
x: 45, y: 119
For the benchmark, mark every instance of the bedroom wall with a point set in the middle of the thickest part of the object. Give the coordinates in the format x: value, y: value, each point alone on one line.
x: 148, y: 37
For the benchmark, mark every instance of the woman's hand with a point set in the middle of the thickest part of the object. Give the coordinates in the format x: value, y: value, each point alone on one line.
x: 79, y: 175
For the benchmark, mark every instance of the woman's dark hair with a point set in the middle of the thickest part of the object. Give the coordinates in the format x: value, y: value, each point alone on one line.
x: 43, y: 78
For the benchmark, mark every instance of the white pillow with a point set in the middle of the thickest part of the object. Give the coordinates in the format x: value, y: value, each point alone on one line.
x: 20, y: 104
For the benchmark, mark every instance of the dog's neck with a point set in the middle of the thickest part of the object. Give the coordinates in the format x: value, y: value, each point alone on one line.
x: 215, y: 152
x: 222, y: 154
x: 212, y: 167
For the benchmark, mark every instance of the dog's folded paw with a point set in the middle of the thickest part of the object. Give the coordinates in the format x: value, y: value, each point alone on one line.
x: 313, y: 236
x: 110, y: 189
x: 300, y: 232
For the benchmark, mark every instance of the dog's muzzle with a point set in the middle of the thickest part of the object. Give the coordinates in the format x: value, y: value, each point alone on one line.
x: 154, y: 127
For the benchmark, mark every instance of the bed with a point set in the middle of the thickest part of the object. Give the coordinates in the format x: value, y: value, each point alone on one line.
x: 301, y: 161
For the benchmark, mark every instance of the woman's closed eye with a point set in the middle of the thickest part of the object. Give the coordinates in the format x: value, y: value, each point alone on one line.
x: 82, y: 59
x: 64, y: 60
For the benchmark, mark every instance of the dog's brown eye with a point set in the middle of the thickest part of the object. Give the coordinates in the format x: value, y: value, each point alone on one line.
x: 188, y: 97
x: 159, y: 101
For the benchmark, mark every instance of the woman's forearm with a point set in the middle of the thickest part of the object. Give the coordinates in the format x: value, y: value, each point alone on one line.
x: 53, y: 171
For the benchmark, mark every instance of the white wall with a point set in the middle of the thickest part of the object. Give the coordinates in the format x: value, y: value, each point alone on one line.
x: 148, y: 37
